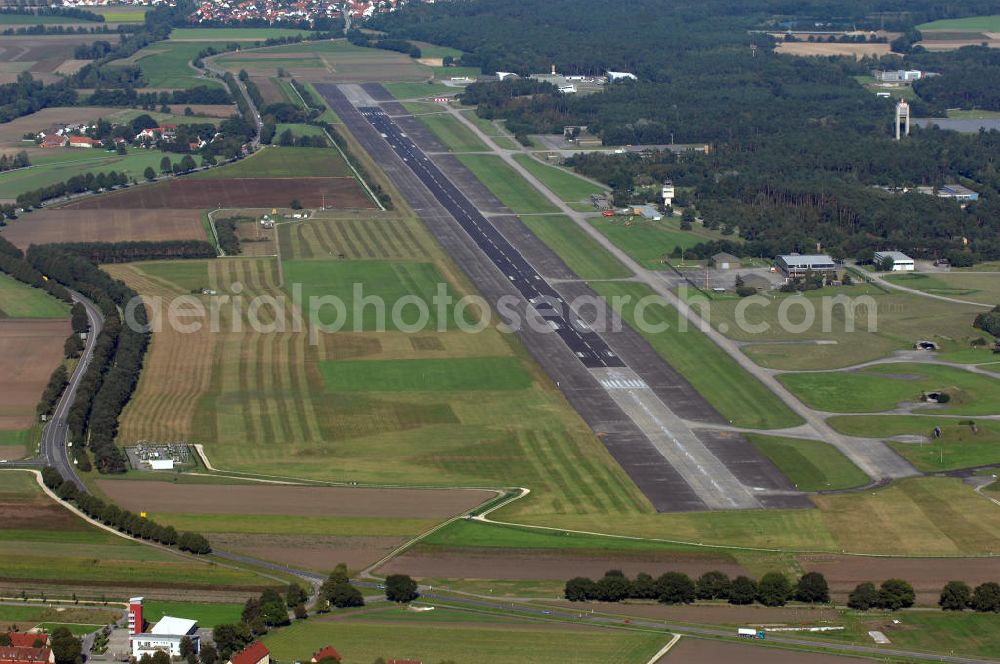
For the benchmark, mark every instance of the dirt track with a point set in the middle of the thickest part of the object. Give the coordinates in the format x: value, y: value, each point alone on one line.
x: 312, y: 192
x: 141, y: 495
x: 541, y: 565
x: 320, y: 554
x: 75, y: 225
x: 29, y: 351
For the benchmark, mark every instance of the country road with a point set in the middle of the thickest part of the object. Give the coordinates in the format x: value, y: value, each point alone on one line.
x: 54, y: 435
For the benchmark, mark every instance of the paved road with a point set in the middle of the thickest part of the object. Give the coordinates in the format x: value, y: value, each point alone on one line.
x: 54, y: 435
x: 254, y: 111
x: 874, y: 457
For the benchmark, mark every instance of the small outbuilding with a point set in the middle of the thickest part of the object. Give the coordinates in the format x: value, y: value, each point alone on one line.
x: 724, y: 261
x: 325, y: 653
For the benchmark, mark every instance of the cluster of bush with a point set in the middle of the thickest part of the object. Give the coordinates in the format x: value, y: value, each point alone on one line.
x: 958, y: 596
x: 989, y: 321
x: 773, y: 589
x: 13, y: 264
x: 288, y: 139
x: 226, y: 230
x: 365, y: 40
x: 77, y: 184
x: 132, y: 524
x: 9, y: 163
x: 60, y: 375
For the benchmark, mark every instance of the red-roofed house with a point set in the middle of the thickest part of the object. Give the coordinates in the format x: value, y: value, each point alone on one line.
x: 83, y: 142
x: 255, y: 653
x: 25, y: 655
x: 327, y: 652
x: 26, y: 640
x: 54, y: 141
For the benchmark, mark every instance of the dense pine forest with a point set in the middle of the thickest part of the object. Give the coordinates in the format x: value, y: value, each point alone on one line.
x: 798, y: 146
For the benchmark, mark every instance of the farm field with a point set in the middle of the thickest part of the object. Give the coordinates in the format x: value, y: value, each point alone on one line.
x: 737, y: 395
x: 704, y: 651
x: 18, y: 300
x: 583, y: 255
x: 970, y: 286
x: 14, y: 443
x: 650, y: 242
x: 250, y: 192
x: 42, y: 55
x: 507, y: 185
x: 825, y: 49
x: 480, y: 639
x: 167, y: 64
x: 882, y: 387
x: 44, y: 544
x: 29, y: 351
x: 899, y: 320
x: 267, y: 410
x: 282, y: 162
x: 468, y: 373
x: 11, y: 19
x: 328, y: 60
x: 564, y: 184
x: 811, y: 465
x: 456, y: 136
x: 75, y: 225
x: 120, y: 13
x: 60, y: 164
x: 309, y: 526
x: 968, y: 24
x: 958, y: 446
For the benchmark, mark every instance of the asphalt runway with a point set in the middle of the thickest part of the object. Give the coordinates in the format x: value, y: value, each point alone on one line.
x: 449, y: 199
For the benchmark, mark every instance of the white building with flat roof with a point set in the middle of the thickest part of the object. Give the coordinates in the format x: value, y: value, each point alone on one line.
x: 900, y: 261
x: 166, y: 636
x: 796, y: 265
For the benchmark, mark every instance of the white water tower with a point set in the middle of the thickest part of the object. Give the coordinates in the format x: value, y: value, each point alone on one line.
x: 902, y: 124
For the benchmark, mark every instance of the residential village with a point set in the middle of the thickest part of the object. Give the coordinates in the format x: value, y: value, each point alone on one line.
x: 270, y: 11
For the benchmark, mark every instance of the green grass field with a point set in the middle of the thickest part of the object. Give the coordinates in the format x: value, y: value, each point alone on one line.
x: 958, y: 447
x: 168, y: 64
x: 9, y: 19
x: 970, y: 286
x: 419, y: 90
x: 456, y: 136
x: 207, y: 615
x: 47, y: 614
x: 971, y: 24
x: 389, y: 282
x: 467, y: 373
x: 962, y: 114
x: 18, y: 300
x: 650, y: 242
x: 811, y: 465
x: 433, y: 641
x: 297, y: 131
x: 881, y: 387
x: 505, y: 183
x: 233, y: 34
x: 737, y: 395
x: 434, y: 51
x: 562, y: 183
x: 120, y: 13
x: 280, y: 162
x: 849, y: 333
x: 60, y: 164
x: 581, y: 253
x: 52, y: 546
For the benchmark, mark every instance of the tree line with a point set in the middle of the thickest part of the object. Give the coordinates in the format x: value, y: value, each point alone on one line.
x: 77, y: 184
x: 58, y: 30
x: 56, y: 10
x: 13, y: 264
x: 365, y: 40
x: 773, y: 589
x: 131, y: 524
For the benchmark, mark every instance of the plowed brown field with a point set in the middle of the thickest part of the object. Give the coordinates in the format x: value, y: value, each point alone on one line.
x: 291, y: 500
x: 194, y: 194
x: 29, y: 352
x: 77, y: 225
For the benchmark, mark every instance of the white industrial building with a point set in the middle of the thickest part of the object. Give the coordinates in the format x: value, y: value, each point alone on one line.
x: 796, y: 265
x: 166, y: 635
x: 614, y: 76
x: 900, y: 261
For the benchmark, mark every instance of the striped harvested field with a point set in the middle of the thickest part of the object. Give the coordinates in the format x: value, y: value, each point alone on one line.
x: 354, y: 238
